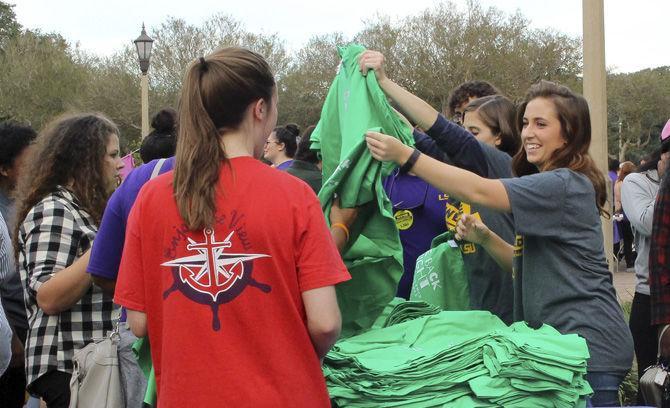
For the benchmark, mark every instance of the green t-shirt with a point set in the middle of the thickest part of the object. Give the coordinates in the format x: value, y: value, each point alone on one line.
x: 354, y: 105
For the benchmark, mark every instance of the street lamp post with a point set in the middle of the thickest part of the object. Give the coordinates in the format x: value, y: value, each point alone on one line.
x: 143, y: 44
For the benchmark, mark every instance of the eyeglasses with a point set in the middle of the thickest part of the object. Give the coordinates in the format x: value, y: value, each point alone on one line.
x: 267, y: 142
x: 458, y: 118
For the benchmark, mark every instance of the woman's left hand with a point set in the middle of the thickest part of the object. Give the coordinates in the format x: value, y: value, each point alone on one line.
x: 387, y: 148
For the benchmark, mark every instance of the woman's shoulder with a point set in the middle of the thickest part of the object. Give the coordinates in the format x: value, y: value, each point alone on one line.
x: 58, y: 202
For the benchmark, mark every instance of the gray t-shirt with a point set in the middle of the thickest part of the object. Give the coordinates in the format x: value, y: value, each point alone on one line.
x: 491, y: 286
x: 560, y: 273
x: 638, y: 196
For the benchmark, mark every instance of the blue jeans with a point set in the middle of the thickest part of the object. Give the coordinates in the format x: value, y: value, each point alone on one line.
x: 605, y: 389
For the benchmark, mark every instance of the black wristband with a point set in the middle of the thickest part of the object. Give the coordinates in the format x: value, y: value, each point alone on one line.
x: 410, y: 162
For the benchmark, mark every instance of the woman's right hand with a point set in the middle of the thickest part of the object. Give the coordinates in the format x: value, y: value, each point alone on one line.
x: 387, y: 148
x: 471, y: 229
x: 372, y: 60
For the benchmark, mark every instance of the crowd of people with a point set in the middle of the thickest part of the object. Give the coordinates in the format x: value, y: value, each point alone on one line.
x: 218, y: 251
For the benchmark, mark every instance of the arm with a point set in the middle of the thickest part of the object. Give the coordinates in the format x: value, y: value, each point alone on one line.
x: 65, y: 288
x: 323, y: 318
x: 461, y: 184
x: 416, y: 108
x: 343, y: 216
x: 617, y: 197
x: 456, y: 142
x: 469, y: 228
x: 638, y: 204
x: 138, y: 322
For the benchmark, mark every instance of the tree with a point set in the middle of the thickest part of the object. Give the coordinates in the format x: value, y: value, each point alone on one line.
x: 442, y: 47
x: 9, y: 27
x: 638, y: 107
x: 40, y: 78
x: 303, y: 89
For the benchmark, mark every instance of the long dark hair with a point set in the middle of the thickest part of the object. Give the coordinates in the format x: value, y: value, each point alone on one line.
x: 573, y: 113
x: 288, y: 135
x: 216, y: 93
x: 70, y: 152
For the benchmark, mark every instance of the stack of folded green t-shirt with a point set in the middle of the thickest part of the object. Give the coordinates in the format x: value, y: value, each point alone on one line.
x: 454, y: 358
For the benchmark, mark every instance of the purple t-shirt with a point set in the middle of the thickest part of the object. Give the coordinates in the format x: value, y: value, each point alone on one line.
x: 421, y: 212
x: 284, y: 166
x: 108, y: 244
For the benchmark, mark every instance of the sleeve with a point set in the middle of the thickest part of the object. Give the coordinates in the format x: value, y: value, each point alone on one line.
x: 129, y: 290
x: 318, y: 262
x: 638, y: 203
x: 50, y: 242
x: 108, y: 244
x: 5, y: 255
x: 538, y: 203
x: 428, y: 146
x: 459, y: 144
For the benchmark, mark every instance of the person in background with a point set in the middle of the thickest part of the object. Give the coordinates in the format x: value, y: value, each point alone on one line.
x: 15, y: 142
x: 161, y: 143
x: 490, y: 119
x: 638, y: 196
x: 104, y: 262
x: 232, y: 253
x: 613, y: 166
x: 659, y: 260
x: 5, y: 329
x: 306, y: 164
x: 463, y: 94
x: 625, y: 169
x: 61, y: 196
x: 281, y: 146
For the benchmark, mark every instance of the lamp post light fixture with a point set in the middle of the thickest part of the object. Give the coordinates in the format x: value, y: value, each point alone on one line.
x: 143, y: 44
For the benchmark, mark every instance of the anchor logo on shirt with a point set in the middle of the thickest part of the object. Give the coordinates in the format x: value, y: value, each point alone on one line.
x: 214, y: 273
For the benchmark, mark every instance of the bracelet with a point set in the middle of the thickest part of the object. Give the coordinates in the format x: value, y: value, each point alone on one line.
x: 342, y: 227
x: 410, y: 162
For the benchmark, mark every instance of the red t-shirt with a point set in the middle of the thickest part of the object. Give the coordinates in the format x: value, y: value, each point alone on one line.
x: 237, y: 337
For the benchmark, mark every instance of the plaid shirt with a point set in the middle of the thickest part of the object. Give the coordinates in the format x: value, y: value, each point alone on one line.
x: 659, y: 257
x: 53, y: 235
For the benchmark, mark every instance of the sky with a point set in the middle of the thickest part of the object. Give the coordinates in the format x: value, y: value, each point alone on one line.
x: 636, y: 33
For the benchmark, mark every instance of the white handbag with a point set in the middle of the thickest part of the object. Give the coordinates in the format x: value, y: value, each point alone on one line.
x: 96, y: 380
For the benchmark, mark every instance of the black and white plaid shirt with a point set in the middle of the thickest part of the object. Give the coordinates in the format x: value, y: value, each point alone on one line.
x: 53, y: 235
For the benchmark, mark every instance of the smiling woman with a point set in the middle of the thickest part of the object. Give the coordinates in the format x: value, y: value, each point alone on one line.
x: 558, y: 262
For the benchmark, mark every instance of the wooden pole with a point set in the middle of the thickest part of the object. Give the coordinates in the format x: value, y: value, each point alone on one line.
x: 144, y: 82
x: 595, y: 92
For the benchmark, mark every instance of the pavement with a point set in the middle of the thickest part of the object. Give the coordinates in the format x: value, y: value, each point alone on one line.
x: 624, y: 283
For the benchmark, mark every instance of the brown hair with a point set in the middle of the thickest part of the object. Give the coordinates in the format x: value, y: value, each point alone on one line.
x: 573, y: 114
x: 467, y: 90
x: 499, y: 114
x: 216, y: 93
x: 625, y: 169
x: 70, y: 152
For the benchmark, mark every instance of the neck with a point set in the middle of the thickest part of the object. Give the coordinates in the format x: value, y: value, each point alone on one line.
x: 237, y: 144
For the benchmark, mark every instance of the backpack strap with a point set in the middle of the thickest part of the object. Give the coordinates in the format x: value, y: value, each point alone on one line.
x: 157, y: 168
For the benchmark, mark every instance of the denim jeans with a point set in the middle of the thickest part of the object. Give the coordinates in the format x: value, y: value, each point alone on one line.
x: 605, y: 388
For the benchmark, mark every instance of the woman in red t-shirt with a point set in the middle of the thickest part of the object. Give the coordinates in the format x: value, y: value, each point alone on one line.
x: 228, y: 264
